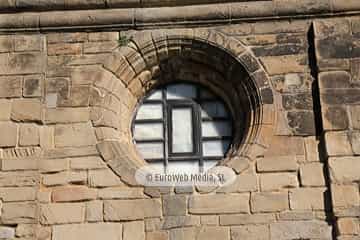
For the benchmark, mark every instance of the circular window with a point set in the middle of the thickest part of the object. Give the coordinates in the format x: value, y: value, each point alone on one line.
x: 182, y: 127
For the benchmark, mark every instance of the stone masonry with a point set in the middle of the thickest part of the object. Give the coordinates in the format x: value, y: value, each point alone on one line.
x: 70, y: 85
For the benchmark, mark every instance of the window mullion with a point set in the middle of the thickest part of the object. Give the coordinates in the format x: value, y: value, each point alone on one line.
x: 165, y: 122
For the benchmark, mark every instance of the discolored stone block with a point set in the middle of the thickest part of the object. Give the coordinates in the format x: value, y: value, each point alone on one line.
x: 279, y: 50
x: 355, y: 116
x: 355, y: 141
x: 10, y: 86
x: 6, y: 43
x: 64, y: 49
x: 335, y: 118
x: 284, y: 64
x: 32, y: 86
x: 300, y: 101
x: 301, y: 122
x: 334, y: 79
x: 28, y: 43
x: 300, y: 230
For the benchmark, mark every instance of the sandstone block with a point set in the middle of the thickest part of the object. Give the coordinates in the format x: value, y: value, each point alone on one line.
x: 74, y: 135
x: 53, y: 165
x: 103, y: 36
x: 10, y: 86
x: 355, y: 116
x: 54, y: 179
x: 270, y: 164
x: 100, y: 47
x: 92, y: 231
x: 278, y: 181
x: 69, y: 152
x: 311, y: 149
x: 171, y: 222
x: 334, y: 79
x: 209, y: 220
x: 312, y: 174
x: 9, y: 130
x: 22, y: 63
x: 348, y: 226
x: 67, y: 115
x: 344, y: 169
x: 26, y: 110
x: 121, y: 193
x: 243, y: 183
x: 213, y: 233
x: 33, y: 86
x: 307, y: 199
x: 79, y: 97
x: 73, y: 193
x: 297, y: 215
x: 284, y: 64
x: 157, y: 235
x: 183, y: 234
x: 18, y: 179
x: 269, y: 202
x: 300, y: 230
x: 64, y: 49
x: 284, y: 146
x: 219, y: 203
x: 103, y: 178
x: 29, y: 135
x: 12, y: 194
x: 46, y: 137
x: 94, y: 211
x: 115, y: 210
x: 11, y: 164
x: 67, y: 37
x: 256, y: 232
x: 6, y: 44
x: 240, y: 219
x: 28, y: 43
x: 175, y: 205
x: 5, y: 106
x: 7, y: 232
x: 355, y: 142
x: 14, y: 213
x: 83, y: 163
x: 134, y: 230
x: 338, y: 144
x: 58, y: 213
x: 345, y: 196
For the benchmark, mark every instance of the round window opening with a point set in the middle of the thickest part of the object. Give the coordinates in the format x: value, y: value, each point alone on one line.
x: 182, y: 127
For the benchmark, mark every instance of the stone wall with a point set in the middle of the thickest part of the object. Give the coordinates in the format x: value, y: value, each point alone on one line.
x: 67, y: 160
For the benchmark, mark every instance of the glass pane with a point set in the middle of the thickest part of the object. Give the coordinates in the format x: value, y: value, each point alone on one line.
x: 182, y: 130
x: 183, y: 167
x: 213, y: 109
x: 215, y: 148
x: 215, y: 128
x: 145, y: 131
x: 150, y: 111
x: 151, y: 150
x: 181, y: 91
x: 156, y: 95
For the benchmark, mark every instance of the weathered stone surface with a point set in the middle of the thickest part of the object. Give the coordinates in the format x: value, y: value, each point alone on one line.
x: 283, y: 146
x: 79, y: 97
x: 171, y: 222
x: 121, y: 193
x: 183, y: 233
x: 73, y: 193
x: 243, y: 183
x: 109, y: 231
x: 301, y: 123
x: 91, y: 162
x: 284, y: 64
x: 281, y: 163
x: 19, y: 213
x: 9, y: 130
x: 340, y: 96
x: 240, y: 219
x: 103, y: 36
x: 134, y: 230
x: 53, y: 165
x: 355, y: 116
x: 355, y: 141
x: 312, y: 174
x: 100, y: 47
x: 257, y: 232
x: 278, y: 181
x: 335, y: 118
x: 6, y: 43
x: 55, y: 179
x: 94, y: 211
x: 5, y: 106
x: 18, y: 179
x: 33, y: 85
x: 26, y: 110
x: 22, y: 63
x: 70, y: 152
x: 300, y: 230
x: 103, y: 178
x: 73, y: 135
x: 213, y: 233
x: 338, y: 144
x: 64, y: 49
x: 12, y: 194
x: 175, y: 205
x: 269, y: 202
x: 345, y: 196
x: 297, y: 215
x: 157, y: 235
x: 115, y: 210
x: 46, y: 137
x: 10, y: 164
x: 344, y: 169
x: 67, y: 37
x: 28, y: 43
x: 307, y: 199
x: 58, y: 213
x: 209, y: 220
x: 29, y: 135
x: 300, y: 101
x: 67, y: 115
x: 219, y: 203
x: 11, y: 86
x: 348, y: 226
x: 7, y: 232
